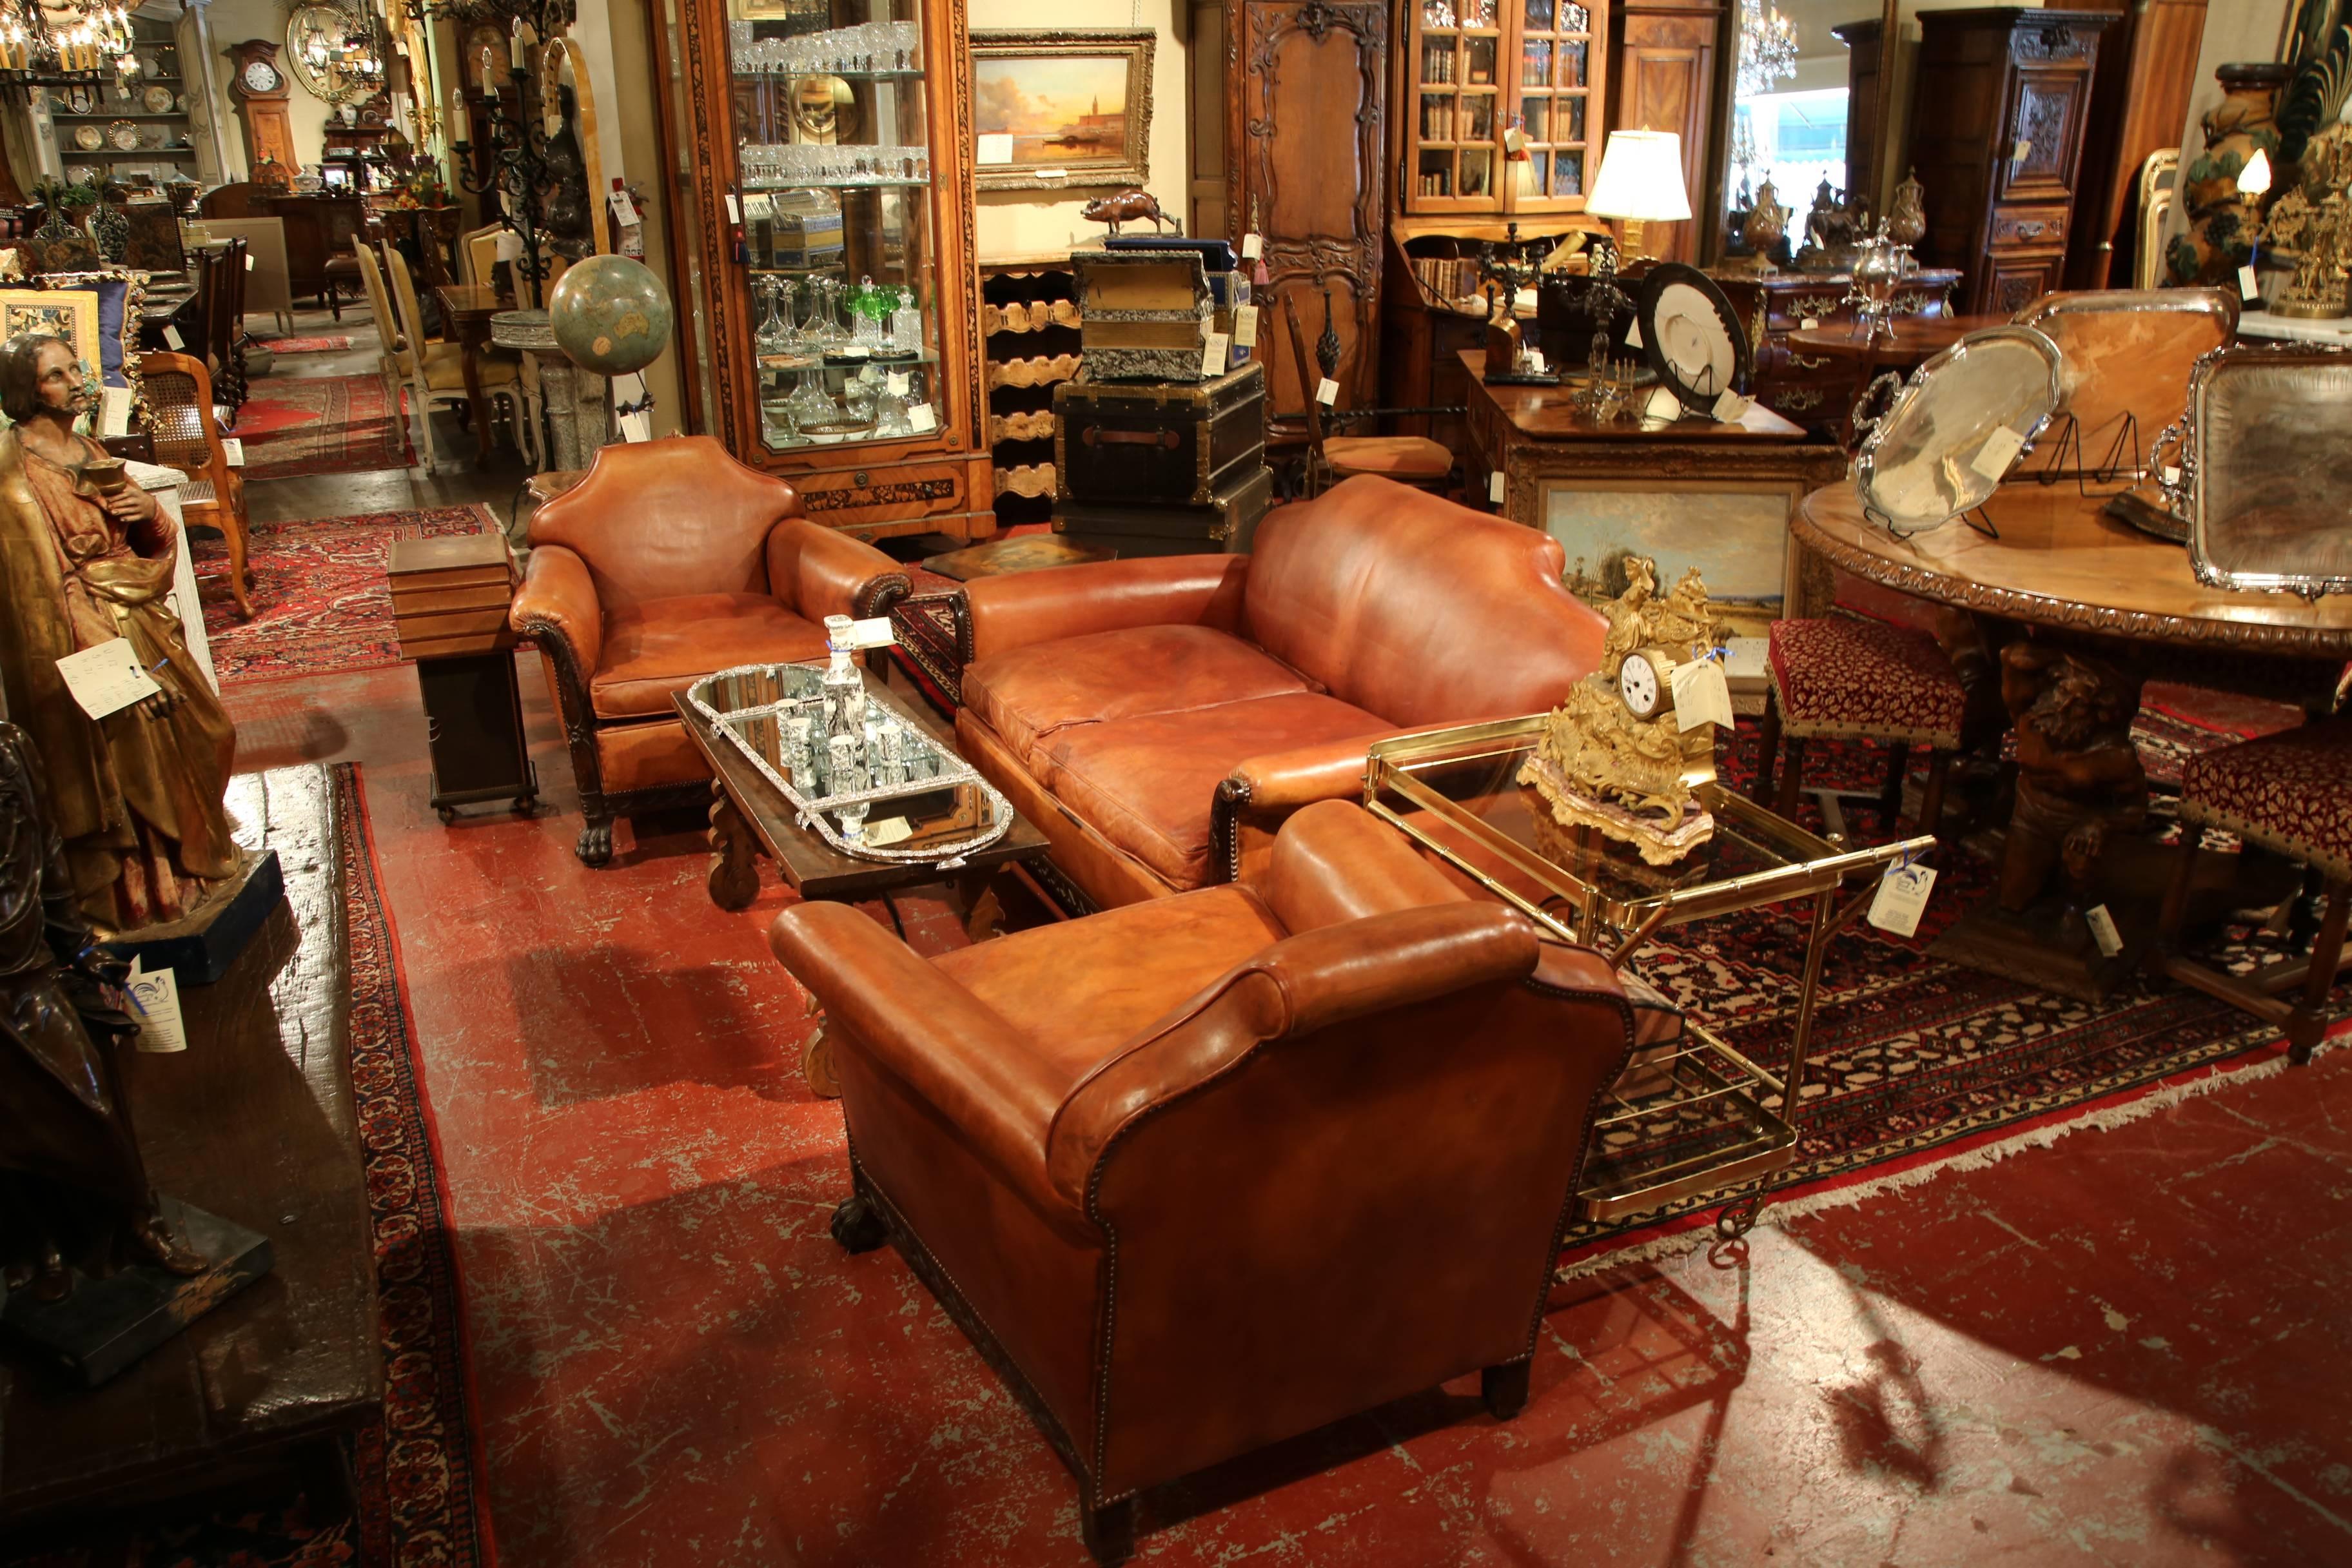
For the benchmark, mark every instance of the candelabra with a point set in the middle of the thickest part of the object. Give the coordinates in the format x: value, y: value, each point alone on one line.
x: 522, y: 163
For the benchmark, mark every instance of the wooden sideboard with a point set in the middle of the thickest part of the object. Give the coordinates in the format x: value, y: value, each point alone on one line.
x: 1816, y: 389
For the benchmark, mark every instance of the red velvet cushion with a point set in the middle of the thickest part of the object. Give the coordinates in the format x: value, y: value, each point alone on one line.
x: 1843, y: 676
x: 2286, y: 792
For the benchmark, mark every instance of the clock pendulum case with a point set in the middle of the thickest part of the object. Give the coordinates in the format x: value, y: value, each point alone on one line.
x: 260, y: 92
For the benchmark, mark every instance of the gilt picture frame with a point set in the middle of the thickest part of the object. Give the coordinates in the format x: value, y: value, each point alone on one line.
x: 69, y: 314
x: 1061, y: 109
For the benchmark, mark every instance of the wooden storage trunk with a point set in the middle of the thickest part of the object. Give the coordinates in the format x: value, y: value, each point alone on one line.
x: 1224, y: 526
x: 1167, y: 446
x: 1146, y: 314
x: 450, y: 595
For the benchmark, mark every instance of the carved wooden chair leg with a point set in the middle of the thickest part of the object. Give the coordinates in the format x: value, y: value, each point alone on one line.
x: 1505, y: 1388
x: 2309, y: 1021
x: 1890, y: 793
x: 1767, y: 748
x: 594, y: 846
x: 1792, y: 777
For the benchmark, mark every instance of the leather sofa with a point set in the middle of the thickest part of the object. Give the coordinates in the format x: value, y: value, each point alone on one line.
x: 669, y: 560
x: 1204, y: 1173
x: 1157, y: 719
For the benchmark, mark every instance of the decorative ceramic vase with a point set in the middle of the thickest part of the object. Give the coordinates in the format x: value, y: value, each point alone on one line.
x: 2216, y: 243
x: 1908, y: 220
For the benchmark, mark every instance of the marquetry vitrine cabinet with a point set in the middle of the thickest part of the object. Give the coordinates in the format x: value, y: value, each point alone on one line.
x: 829, y: 306
x: 1501, y: 105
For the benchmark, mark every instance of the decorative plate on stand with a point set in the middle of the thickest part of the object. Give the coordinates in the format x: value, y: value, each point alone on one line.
x: 123, y: 136
x: 158, y: 99
x: 1691, y: 335
x: 89, y: 138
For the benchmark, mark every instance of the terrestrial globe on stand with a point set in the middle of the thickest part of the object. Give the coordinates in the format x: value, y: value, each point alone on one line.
x: 609, y: 316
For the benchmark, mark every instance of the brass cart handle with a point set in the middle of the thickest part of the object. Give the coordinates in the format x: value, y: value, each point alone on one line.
x: 1167, y: 438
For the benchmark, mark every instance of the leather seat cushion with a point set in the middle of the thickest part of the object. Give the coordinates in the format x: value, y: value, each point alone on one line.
x: 1029, y: 694
x: 1078, y: 990
x: 662, y: 645
x: 1398, y: 457
x: 1146, y: 783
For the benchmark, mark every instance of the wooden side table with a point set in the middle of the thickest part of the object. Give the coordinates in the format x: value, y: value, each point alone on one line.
x: 449, y: 600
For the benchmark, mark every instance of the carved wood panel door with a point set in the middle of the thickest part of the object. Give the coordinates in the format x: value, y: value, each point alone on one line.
x: 1306, y: 105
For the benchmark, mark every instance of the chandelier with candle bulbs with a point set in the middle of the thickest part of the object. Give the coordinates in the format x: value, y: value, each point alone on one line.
x: 46, y: 44
x: 1767, y: 47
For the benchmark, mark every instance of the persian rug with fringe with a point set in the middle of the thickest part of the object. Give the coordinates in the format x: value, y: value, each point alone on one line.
x: 295, y: 425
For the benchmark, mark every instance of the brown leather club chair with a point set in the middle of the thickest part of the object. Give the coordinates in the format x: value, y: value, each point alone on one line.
x: 1204, y: 1172
x: 1158, y: 718
x: 669, y: 560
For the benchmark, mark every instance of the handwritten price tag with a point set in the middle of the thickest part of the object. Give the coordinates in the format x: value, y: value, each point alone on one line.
x: 1327, y: 392
x: 1999, y: 450
x: 1701, y: 697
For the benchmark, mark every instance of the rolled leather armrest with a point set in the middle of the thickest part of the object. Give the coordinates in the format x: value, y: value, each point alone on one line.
x: 944, y: 1043
x: 1335, y: 862
x: 822, y: 571
x: 559, y: 598
x: 1022, y: 607
x: 1314, y: 981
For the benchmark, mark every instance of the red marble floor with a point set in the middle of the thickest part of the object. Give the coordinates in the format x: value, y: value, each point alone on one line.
x: 2129, y: 1348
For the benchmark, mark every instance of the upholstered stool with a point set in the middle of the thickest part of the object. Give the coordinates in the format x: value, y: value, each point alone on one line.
x: 2287, y: 793
x: 1865, y: 680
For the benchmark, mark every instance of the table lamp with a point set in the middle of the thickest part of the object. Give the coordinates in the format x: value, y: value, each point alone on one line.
x: 1640, y: 182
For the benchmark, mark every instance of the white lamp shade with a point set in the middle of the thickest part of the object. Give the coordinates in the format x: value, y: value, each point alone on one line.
x: 1641, y: 177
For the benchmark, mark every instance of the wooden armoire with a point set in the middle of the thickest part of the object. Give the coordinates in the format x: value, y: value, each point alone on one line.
x: 1306, y: 101
x: 1999, y: 117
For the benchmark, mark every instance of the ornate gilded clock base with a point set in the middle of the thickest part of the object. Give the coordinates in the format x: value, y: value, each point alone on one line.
x: 1659, y: 841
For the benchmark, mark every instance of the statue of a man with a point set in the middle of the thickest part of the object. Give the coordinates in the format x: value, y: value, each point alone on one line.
x: 74, y: 1192
x: 137, y: 795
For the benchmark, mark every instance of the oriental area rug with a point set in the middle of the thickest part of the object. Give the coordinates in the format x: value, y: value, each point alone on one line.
x: 320, y: 602
x: 321, y: 425
x: 333, y: 343
x: 418, y: 1475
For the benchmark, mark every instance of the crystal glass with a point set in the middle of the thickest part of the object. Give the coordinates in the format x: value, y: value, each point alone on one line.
x: 776, y: 334
x: 809, y: 404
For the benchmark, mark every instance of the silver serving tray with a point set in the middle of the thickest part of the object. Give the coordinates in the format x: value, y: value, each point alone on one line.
x: 928, y: 808
x: 1916, y: 467
x: 2266, y: 468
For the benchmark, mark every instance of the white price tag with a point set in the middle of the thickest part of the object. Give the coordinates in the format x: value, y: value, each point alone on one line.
x: 1253, y: 246
x: 250, y: 261
x: 734, y: 208
x: 897, y: 381
x: 994, y: 147
x: 106, y: 678
x: 2103, y: 931
x: 1663, y: 406
x: 507, y: 245
x: 888, y: 831
x: 1495, y: 487
x: 1515, y: 141
x: 1901, y: 898
x: 1214, y: 352
x: 1999, y: 450
x: 113, y: 410
x: 873, y: 632
x: 922, y: 419
x: 1809, y: 322
x: 636, y: 427
x: 156, y: 1003
x: 1731, y: 407
x: 1701, y: 697
x: 172, y: 338
x: 624, y: 209
x: 1327, y: 392
x: 233, y: 449
x: 2248, y: 289
x: 1245, y: 326
x: 1052, y: 177
x: 2171, y: 475
x: 1633, y: 335
x: 1536, y: 365
x: 2023, y: 151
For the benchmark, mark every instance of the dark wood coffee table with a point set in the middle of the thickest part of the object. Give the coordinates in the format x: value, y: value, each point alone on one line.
x: 750, y: 817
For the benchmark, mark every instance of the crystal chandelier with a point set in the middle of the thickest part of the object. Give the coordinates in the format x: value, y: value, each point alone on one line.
x: 1767, y: 47
x: 46, y: 44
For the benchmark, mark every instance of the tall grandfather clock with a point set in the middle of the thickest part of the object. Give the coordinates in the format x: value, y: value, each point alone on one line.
x: 259, y: 88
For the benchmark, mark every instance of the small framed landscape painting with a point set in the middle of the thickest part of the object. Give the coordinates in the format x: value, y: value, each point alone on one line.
x: 1062, y: 108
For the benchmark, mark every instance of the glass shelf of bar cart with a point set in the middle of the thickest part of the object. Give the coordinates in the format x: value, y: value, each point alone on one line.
x: 857, y: 774
x: 832, y: 180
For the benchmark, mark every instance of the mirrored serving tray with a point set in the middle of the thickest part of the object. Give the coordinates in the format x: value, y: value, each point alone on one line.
x: 1928, y: 459
x: 2268, y: 459
x: 903, y: 797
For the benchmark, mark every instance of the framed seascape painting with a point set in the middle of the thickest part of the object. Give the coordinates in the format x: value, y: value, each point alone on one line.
x: 1061, y: 107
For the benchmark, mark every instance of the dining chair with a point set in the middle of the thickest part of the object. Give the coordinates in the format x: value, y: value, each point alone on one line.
x: 187, y: 437
x: 436, y: 372
x: 394, y: 347
x: 480, y: 249
x: 1412, y: 460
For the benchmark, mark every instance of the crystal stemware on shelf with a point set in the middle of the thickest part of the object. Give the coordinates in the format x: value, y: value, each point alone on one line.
x: 776, y: 334
x: 809, y: 404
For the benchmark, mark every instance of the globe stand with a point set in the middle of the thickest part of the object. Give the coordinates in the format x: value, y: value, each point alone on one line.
x: 578, y: 404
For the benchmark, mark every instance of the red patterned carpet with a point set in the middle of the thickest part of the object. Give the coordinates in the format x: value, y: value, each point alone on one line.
x: 333, y: 343
x: 419, y: 1478
x: 319, y: 595
x: 321, y: 425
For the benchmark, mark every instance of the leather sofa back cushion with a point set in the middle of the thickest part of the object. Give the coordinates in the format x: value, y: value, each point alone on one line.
x: 656, y: 520
x: 1417, y: 609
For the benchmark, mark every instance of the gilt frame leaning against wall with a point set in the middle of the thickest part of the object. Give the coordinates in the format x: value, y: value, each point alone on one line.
x: 1009, y: 65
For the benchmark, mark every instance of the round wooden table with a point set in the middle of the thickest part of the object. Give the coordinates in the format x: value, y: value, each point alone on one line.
x: 2083, y: 610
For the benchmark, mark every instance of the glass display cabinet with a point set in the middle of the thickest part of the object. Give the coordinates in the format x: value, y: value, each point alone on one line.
x: 1503, y: 110
x: 826, y: 244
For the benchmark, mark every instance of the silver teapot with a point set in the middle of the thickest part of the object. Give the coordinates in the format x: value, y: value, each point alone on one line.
x: 1880, y: 265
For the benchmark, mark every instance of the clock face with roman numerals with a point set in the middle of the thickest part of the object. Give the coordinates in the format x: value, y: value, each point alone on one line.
x: 1642, y: 685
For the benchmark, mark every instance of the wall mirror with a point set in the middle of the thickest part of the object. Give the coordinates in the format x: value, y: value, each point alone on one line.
x: 1805, y: 102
